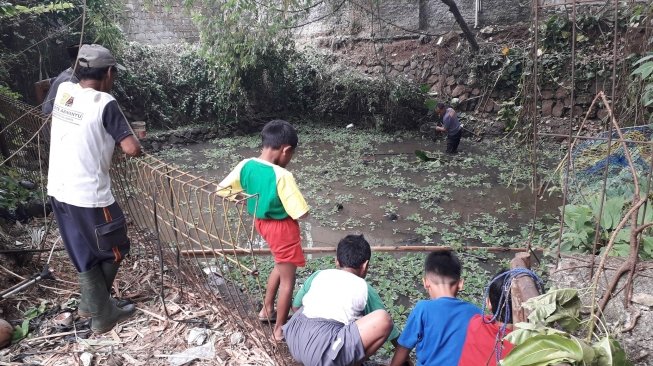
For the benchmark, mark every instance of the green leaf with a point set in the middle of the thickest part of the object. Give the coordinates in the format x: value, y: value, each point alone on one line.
x: 647, y: 246
x: 561, y: 306
x: 544, y: 350
x: 612, y: 212
x: 21, y: 331
x: 609, y: 353
x: 643, y: 59
x: 32, y: 313
x: 647, y: 96
x: 645, y: 214
x: 578, y: 217
x: 620, y: 250
x: 422, y: 156
x: 644, y: 70
x: 524, y: 331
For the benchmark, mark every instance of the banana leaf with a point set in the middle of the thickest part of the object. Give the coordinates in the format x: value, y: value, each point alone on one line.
x: 423, y: 156
x: 545, y: 350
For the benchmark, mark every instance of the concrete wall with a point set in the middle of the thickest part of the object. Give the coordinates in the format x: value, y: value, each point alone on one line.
x: 149, y: 22
x: 404, y: 17
x: 152, y: 23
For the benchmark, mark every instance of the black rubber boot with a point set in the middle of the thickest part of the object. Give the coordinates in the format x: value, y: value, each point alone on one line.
x: 109, y: 271
x: 104, y: 312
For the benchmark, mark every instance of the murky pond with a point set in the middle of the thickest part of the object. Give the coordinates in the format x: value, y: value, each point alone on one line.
x: 372, y: 183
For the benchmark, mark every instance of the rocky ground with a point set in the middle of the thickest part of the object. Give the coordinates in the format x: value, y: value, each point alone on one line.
x: 574, y: 271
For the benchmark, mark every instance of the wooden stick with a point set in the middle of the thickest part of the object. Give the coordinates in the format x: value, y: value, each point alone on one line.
x: 51, y: 336
x: 384, y: 249
x: 151, y: 314
x: 12, y: 273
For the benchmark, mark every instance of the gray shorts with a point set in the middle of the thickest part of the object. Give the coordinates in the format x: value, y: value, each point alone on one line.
x: 319, y: 341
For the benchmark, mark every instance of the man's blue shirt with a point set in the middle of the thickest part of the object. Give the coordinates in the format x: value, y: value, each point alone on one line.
x: 450, y: 122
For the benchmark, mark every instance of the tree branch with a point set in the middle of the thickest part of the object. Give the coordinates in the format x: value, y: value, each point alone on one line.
x: 453, y: 8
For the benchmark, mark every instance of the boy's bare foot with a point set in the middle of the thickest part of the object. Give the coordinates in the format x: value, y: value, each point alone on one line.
x: 266, y: 316
x: 277, y: 335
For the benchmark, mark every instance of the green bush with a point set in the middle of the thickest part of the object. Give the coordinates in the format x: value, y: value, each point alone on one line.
x: 175, y: 85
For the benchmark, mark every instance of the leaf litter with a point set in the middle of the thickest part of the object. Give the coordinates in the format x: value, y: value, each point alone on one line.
x: 147, y: 338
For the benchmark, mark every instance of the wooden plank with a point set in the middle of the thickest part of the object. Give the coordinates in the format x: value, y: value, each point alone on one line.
x: 318, y: 250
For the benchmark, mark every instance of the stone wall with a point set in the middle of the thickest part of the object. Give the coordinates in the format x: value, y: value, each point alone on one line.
x: 443, y: 65
x: 152, y: 23
x: 414, y: 39
x: 436, y: 63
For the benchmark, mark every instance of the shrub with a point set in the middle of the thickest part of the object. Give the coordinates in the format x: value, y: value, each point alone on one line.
x: 175, y: 85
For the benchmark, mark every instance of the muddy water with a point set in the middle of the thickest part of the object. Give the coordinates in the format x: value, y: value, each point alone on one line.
x: 370, y: 184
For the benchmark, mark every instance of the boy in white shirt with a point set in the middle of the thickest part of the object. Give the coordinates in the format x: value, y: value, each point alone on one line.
x: 342, y: 320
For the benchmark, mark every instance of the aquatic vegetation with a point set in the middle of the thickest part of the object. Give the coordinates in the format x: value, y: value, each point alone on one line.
x: 364, y: 180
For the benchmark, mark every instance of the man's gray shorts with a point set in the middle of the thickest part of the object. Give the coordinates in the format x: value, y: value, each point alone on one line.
x: 322, y: 342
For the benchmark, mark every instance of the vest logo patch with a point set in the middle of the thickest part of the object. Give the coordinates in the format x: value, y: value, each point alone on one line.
x: 67, y: 99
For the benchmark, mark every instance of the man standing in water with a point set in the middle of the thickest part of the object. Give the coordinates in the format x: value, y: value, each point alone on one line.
x: 451, y: 126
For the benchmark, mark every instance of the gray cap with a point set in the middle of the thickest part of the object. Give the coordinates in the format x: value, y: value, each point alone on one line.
x: 96, y: 56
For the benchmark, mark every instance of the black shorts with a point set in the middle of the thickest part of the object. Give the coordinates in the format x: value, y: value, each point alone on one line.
x: 79, y: 226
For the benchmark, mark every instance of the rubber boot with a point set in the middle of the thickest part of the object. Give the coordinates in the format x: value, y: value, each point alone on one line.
x: 109, y: 270
x: 104, y: 313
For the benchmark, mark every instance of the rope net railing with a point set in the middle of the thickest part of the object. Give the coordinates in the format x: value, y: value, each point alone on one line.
x: 175, y: 219
x: 175, y: 213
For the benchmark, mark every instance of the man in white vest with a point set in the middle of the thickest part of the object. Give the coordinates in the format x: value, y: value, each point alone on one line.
x: 86, y: 126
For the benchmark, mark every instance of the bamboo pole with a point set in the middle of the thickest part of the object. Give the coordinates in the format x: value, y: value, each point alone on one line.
x: 319, y: 250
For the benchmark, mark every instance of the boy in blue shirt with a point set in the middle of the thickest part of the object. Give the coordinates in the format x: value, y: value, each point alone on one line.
x: 437, y: 328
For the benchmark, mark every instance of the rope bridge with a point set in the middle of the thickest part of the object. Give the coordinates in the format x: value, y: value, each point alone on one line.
x: 172, y: 213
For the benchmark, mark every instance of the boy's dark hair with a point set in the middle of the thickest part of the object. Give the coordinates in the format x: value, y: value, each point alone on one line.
x: 92, y: 73
x: 495, y: 292
x: 441, y: 106
x: 353, y: 251
x: 277, y: 133
x: 443, y: 264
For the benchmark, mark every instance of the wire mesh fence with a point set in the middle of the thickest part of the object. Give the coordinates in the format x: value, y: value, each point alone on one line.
x: 198, y: 233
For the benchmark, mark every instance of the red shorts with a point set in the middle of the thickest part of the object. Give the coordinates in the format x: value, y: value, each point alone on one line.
x: 283, y: 239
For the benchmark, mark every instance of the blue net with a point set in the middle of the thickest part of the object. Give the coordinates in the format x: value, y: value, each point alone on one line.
x: 590, y: 157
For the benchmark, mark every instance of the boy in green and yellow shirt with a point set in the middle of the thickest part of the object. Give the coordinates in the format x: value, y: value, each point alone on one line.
x: 280, y: 204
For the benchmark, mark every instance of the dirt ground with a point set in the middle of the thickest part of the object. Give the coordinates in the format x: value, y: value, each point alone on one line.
x: 638, y: 342
x: 148, y: 338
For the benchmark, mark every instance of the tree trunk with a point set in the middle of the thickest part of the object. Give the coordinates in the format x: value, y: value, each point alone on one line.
x: 453, y: 8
